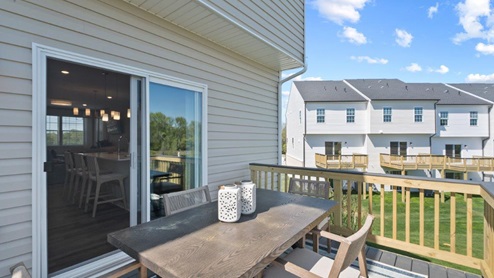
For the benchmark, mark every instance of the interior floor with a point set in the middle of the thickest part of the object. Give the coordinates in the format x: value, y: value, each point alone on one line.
x: 73, y: 235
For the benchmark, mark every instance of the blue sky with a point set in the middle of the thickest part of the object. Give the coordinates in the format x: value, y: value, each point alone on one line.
x: 412, y: 40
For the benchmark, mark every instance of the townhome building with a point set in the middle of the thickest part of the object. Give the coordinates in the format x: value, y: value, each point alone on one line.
x: 387, y: 126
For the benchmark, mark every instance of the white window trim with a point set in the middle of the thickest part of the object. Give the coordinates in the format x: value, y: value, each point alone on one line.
x: 390, y: 115
x: 40, y: 54
x: 346, y: 115
x: 323, y: 115
x: 447, y: 118
x: 415, y: 114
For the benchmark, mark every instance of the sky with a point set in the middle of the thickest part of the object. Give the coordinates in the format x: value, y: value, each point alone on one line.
x: 412, y: 40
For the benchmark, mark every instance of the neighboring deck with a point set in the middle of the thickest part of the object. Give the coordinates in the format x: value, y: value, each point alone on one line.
x: 352, y: 161
x: 437, y: 162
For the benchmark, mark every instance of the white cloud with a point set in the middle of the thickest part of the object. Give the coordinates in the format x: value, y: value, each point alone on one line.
x: 432, y: 10
x: 369, y: 60
x: 310, y: 78
x: 340, y: 11
x: 486, y: 49
x: 403, y: 38
x: 480, y: 78
x: 442, y: 69
x: 471, y: 13
x: 413, y: 67
x: 353, y: 36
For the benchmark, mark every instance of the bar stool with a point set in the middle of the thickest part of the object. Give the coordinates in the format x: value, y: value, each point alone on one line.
x: 81, y: 176
x: 101, y: 179
x: 70, y: 173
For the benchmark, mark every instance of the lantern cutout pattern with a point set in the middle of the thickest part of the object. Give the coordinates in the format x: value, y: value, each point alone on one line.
x: 229, y: 203
x: 248, y: 197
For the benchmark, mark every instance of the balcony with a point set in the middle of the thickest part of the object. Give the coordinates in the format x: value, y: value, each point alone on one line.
x: 437, y: 162
x: 353, y: 161
x: 459, y: 231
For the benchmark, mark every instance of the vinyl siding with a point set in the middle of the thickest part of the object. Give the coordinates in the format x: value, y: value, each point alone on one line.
x: 242, y: 103
x: 295, y: 128
x: 335, y: 118
x: 459, y: 121
x: 402, y: 117
x: 279, y: 22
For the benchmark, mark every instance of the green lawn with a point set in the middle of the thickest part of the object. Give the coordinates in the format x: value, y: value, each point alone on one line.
x: 444, y: 239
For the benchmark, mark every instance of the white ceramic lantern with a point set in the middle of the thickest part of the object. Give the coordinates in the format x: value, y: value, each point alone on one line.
x: 229, y: 203
x: 248, y: 198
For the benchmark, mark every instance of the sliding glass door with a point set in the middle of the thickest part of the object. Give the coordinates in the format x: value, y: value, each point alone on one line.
x: 175, y: 140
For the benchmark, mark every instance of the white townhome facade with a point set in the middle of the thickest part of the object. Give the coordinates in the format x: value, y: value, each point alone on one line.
x: 228, y: 57
x: 391, y: 117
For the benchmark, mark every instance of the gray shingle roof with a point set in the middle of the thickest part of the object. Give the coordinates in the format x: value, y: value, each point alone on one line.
x: 446, y: 95
x: 389, y: 89
x: 336, y: 91
x: 483, y: 90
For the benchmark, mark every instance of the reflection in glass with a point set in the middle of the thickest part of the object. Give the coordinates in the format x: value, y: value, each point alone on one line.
x: 175, y: 141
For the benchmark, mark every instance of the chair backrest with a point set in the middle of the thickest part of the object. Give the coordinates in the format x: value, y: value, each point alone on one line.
x: 350, y: 249
x: 19, y: 270
x: 312, y: 188
x: 79, y: 162
x: 176, y: 168
x: 92, y: 167
x: 69, y: 162
x: 183, y: 200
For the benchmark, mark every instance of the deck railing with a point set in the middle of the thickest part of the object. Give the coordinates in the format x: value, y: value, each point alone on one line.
x: 459, y: 231
x: 439, y: 162
x: 351, y: 161
x: 162, y: 163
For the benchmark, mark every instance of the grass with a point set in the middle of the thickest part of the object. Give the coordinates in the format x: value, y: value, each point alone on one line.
x: 444, y: 236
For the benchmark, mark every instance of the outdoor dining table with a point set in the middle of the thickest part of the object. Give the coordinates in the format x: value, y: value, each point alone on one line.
x: 194, y: 243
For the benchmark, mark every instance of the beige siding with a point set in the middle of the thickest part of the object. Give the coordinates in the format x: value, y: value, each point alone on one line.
x: 242, y: 104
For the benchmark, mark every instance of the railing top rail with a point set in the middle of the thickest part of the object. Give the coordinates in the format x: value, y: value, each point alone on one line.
x: 408, y: 181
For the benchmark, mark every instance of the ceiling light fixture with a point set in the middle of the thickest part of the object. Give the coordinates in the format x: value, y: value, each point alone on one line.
x: 76, y: 111
x: 116, y: 116
x: 84, y: 104
x: 88, y: 112
x: 128, y: 113
x: 102, y: 112
x: 59, y: 102
x: 104, y: 118
x: 65, y: 72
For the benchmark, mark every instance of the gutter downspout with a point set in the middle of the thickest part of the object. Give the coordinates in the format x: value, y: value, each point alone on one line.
x: 280, y: 103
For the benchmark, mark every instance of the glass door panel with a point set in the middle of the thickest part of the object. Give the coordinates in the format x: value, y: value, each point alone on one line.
x: 175, y: 141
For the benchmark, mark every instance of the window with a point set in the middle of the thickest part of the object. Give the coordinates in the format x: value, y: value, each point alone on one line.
x: 320, y: 115
x: 418, y: 111
x: 387, y: 114
x: 64, y: 131
x: 350, y: 115
x: 453, y: 151
x: 473, y: 118
x: 398, y: 148
x: 333, y: 149
x: 443, y: 118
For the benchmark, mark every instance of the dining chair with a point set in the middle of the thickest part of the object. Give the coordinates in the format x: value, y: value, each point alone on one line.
x: 302, y: 262
x: 316, y: 189
x: 81, y: 176
x: 68, y: 173
x: 100, y: 179
x: 183, y: 200
x: 19, y: 270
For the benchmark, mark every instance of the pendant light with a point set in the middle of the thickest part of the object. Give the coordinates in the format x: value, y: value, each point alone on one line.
x: 116, y: 116
x: 75, y: 110
x: 104, y: 118
x: 88, y: 112
x: 128, y: 113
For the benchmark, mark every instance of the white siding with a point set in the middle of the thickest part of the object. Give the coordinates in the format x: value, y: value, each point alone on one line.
x: 350, y: 144
x: 295, y: 128
x: 459, y: 121
x: 402, y: 117
x: 378, y: 144
x: 335, y: 118
x: 243, y: 115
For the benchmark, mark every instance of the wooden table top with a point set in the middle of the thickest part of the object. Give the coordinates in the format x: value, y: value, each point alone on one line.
x: 195, y: 243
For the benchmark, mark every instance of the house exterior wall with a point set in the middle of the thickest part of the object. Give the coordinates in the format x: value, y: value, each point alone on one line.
x: 242, y: 100
x: 402, y: 117
x: 378, y: 144
x: 295, y: 128
x: 315, y: 143
x: 279, y: 22
x: 459, y: 121
x: 335, y: 118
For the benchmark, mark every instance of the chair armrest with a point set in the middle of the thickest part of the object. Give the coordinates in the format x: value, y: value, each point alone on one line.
x: 294, y: 269
x: 330, y: 236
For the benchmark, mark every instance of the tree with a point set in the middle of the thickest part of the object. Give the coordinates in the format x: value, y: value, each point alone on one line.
x: 283, y: 139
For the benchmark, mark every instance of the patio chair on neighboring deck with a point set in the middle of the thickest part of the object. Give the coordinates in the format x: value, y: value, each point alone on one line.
x: 179, y: 201
x: 305, y: 263
x: 316, y: 189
